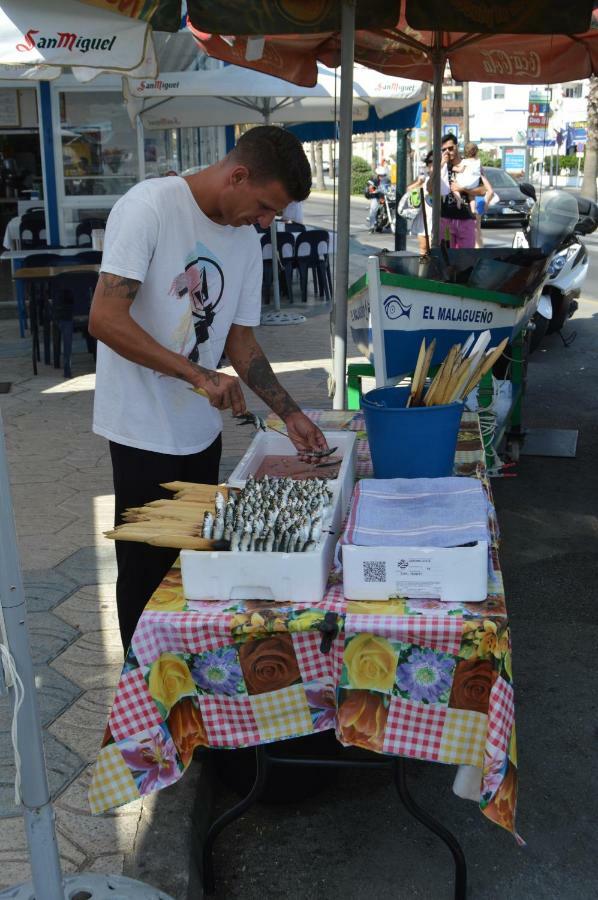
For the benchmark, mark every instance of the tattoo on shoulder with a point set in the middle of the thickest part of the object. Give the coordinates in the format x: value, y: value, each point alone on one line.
x: 117, y: 286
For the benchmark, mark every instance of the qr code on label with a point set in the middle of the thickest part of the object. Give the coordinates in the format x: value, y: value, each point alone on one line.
x: 374, y: 571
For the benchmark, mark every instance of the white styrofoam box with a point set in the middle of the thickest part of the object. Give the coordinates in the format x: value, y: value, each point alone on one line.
x: 452, y: 574
x: 269, y: 443
x: 294, y: 577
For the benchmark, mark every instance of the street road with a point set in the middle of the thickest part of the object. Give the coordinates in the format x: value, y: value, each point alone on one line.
x: 318, y: 212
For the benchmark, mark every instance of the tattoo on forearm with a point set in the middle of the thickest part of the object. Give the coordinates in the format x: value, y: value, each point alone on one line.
x: 212, y: 376
x: 261, y: 379
x: 117, y: 286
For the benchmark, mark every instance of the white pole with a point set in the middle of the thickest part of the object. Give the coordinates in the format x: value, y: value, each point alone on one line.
x: 341, y: 282
x: 439, y: 62
x: 38, y: 813
x: 140, y: 148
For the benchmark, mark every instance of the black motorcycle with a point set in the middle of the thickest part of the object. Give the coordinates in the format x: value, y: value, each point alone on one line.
x: 386, y: 213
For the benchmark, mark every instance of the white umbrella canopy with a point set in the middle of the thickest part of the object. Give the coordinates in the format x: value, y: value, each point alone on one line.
x: 234, y: 95
x: 65, y: 33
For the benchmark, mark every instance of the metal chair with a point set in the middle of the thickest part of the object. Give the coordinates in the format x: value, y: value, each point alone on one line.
x: 295, y: 227
x: 89, y: 256
x: 69, y: 310
x: 311, y: 251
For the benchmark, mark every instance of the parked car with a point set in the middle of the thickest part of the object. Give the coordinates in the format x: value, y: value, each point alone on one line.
x: 513, y: 206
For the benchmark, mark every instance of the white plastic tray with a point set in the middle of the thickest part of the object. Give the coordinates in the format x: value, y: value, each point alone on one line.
x: 293, y: 577
x: 267, y: 443
x: 454, y: 574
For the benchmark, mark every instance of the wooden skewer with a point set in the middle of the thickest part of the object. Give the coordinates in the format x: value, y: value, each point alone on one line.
x: 485, y: 366
x: 433, y: 389
x: 424, y: 371
x: 417, y: 373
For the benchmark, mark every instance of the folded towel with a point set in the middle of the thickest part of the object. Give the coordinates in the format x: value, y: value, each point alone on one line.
x: 420, y: 512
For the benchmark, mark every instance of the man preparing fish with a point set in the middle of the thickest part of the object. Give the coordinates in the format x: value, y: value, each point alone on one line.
x: 180, y: 284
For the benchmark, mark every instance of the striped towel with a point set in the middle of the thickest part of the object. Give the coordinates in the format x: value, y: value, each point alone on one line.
x: 417, y: 512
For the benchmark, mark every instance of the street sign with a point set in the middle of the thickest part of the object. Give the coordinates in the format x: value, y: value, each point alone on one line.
x: 537, y: 121
x: 514, y: 159
x: 451, y: 129
x: 538, y: 109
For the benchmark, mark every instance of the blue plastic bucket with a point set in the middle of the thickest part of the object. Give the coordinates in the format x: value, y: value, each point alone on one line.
x: 418, y: 442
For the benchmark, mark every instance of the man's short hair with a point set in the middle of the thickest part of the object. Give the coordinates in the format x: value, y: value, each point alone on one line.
x: 273, y: 154
x: 449, y: 137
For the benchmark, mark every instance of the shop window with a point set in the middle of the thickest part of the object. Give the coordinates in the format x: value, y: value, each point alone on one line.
x: 99, y: 146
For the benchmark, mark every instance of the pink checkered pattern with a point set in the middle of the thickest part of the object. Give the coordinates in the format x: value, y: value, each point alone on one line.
x: 439, y: 632
x: 179, y: 632
x: 414, y: 729
x: 134, y: 709
x: 334, y: 600
x: 313, y: 664
x: 229, y: 721
x: 501, y: 714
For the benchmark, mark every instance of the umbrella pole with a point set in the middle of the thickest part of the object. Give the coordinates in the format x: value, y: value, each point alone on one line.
x: 341, y: 281
x: 438, y: 62
x: 35, y: 796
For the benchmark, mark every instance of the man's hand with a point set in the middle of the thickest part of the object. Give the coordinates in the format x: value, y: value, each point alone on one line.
x: 223, y: 391
x: 306, y: 436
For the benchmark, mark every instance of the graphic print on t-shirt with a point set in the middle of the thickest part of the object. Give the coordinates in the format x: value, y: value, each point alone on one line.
x: 202, y: 283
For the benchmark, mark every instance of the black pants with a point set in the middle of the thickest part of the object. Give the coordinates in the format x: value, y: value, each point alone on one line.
x: 138, y: 475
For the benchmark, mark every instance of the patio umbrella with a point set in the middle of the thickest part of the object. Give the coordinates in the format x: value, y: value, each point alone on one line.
x: 237, y: 96
x: 545, y: 43
x: 65, y: 33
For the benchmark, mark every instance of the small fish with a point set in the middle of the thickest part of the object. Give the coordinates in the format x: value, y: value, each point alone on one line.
x: 208, y: 524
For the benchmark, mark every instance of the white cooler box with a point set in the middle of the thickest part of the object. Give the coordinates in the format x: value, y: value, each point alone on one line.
x: 293, y: 577
x: 454, y: 574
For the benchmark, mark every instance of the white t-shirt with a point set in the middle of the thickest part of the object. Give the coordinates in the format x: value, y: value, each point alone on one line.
x: 198, y: 278
x: 472, y: 171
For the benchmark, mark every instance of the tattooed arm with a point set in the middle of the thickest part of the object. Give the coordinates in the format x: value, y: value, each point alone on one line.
x: 250, y: 363
x: 110, y: 321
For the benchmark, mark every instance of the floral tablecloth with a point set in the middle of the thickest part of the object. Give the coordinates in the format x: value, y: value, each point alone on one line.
x: 416, y: 678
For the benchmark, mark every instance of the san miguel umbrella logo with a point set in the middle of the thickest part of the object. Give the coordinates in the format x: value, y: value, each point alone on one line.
x: 64, y: 40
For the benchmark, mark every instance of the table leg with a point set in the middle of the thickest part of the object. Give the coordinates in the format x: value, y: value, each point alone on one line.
x: 263, y: 766
x: 400, y: 778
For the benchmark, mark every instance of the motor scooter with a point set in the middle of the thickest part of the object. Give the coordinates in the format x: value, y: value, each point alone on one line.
x: 387, y: 208
x: 567, y: 269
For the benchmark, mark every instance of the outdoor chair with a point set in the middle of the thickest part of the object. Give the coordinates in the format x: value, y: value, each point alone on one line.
x: 84, y: 229
x: 285, y: 244
x: 32, y: 230
x: 69, y: 312
x: 311, y: 251
x: 36, y: 293
x: 267, y: 266
x: 89, y: 256
x: 294, y: 227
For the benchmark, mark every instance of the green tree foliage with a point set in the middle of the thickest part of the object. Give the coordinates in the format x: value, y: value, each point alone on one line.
x: 361, y: 172
x: 487, y: 158
x: 571, y: 162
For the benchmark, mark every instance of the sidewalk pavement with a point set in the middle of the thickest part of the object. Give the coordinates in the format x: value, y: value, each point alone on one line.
x: 62, y: 494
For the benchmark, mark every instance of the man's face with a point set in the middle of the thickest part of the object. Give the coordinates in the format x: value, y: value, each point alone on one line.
x: 450, y: 152
x: 247, y: 202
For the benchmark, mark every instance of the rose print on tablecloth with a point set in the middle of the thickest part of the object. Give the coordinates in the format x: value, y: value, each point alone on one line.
x: 269, y: 664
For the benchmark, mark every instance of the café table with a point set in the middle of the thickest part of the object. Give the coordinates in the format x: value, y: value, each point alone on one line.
x: 16, y: 257
x: 420, y: 679
x: 30, y: 274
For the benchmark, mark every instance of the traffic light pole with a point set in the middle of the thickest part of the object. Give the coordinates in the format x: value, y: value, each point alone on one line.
x: 401, y: 186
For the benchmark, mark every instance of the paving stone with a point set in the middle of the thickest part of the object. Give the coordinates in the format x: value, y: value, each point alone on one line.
x: 62, y: 765
x: 108, y: 864
x: 54, y: 694
x: 40, y: 525
x: 44, y: 588
x: 82, y: 725
x: 44, y: 551
x: 14, y: 854
x: 90, y: 565
x: 48, y: 635
x: 94, y: 661
x: 52, y: 494
x: 91, y: 608
x: 105, y: 834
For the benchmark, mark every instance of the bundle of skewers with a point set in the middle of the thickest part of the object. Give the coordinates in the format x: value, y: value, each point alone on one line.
x: 268, y: 514
x: 459, y: 373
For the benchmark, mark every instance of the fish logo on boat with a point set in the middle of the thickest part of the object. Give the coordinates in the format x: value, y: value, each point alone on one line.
x: 395, y: 308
